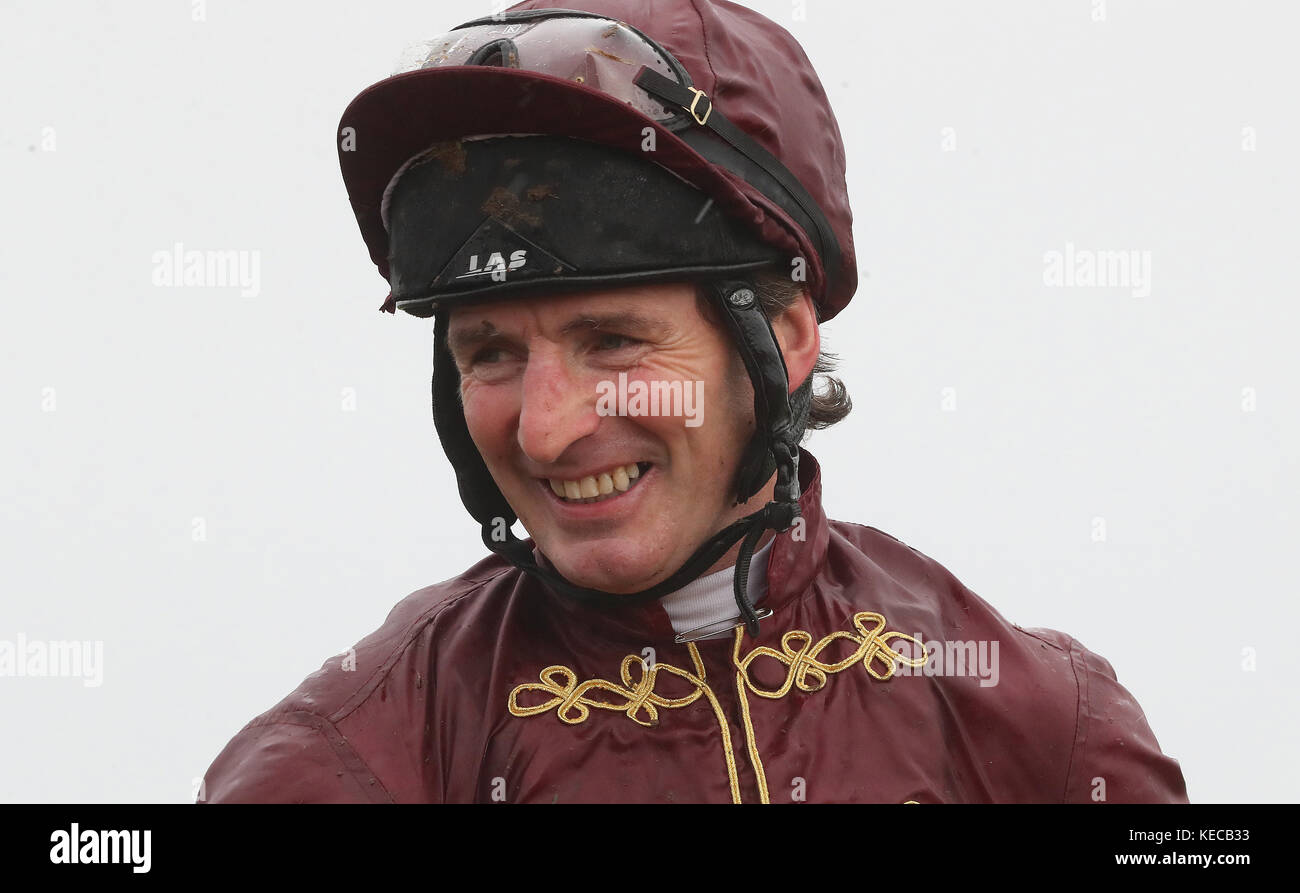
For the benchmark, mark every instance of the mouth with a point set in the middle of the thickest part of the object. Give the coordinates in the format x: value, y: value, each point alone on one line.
x: 605, y: 486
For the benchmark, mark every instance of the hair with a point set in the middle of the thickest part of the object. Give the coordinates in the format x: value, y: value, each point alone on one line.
x: 777, y: 293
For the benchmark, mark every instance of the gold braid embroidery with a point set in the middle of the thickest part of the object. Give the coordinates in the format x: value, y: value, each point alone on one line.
x: 803, y: 663
x: 572, y: 705
x: 759, y: 773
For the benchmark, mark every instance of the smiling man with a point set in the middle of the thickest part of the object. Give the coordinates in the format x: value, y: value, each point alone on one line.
x: 614, y: 503
x: 625, y: 201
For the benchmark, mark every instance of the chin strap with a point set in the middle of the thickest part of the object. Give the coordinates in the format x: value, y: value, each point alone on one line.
x: 773, y: 446
x: 776, y: 438
x: 741, y: 154
x: 751, y: 527
x: 777, y: 512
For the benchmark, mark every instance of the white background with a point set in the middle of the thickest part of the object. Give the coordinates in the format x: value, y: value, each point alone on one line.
x: 172, y: 404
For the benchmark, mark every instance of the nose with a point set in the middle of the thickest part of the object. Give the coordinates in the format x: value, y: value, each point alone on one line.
x: 557, y: 406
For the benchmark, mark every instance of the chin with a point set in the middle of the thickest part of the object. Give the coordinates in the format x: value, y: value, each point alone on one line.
x: 606, y: 568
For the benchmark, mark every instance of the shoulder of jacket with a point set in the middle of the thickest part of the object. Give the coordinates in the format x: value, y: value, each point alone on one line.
x: 1078, y: 734
x: 945, y: 610
x: 305, y: 750
x: 1115, y: 755
x: 409, y: 633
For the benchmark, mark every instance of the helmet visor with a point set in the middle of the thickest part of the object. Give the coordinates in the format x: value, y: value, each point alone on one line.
x: 596, y: 52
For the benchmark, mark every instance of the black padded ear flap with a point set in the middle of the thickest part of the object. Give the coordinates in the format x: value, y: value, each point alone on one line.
x: 758, y: 451
x: 478, y: 490
x: 758, y: 347
x: 801, y: 407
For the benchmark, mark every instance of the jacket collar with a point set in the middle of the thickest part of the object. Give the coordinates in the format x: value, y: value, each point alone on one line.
x: 795, y: 558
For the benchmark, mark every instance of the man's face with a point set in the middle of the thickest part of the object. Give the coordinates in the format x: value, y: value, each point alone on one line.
x: 539, y: 379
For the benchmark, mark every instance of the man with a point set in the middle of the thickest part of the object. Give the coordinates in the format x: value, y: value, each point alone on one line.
x: 627, y: 223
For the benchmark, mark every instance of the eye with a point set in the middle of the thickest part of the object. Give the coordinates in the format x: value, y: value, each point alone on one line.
x: 492, y: 363
x: 492, y: 355
x: 613, y: 341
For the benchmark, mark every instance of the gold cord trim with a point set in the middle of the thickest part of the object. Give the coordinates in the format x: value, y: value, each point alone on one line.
x: 749, y: 734
x: 733, y: 778
x: 799, y: 655
x: 572, y: 705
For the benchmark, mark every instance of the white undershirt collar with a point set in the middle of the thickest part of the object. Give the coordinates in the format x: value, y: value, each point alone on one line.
x: 712, y: 599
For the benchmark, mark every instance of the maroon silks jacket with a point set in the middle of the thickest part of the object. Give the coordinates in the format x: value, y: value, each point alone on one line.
x: 489, y: 687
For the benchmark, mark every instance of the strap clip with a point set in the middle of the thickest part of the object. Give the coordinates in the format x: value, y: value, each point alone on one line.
x: 717, y: 627
x: 699, y: 94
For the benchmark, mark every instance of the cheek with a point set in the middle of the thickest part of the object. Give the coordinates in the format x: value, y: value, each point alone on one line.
x: 733, y: 394
x: 489, y: 413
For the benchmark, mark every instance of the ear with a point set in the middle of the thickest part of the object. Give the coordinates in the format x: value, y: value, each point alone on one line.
x: 799, y: 337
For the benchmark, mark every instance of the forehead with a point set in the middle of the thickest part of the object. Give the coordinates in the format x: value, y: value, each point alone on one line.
x: 658, y: 304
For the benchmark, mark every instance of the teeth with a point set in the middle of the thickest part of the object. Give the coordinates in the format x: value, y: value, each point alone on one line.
x: 593, y: 488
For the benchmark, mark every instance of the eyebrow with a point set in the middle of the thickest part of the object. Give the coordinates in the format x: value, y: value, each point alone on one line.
x: 462, y: 340
x: 627, y: 320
